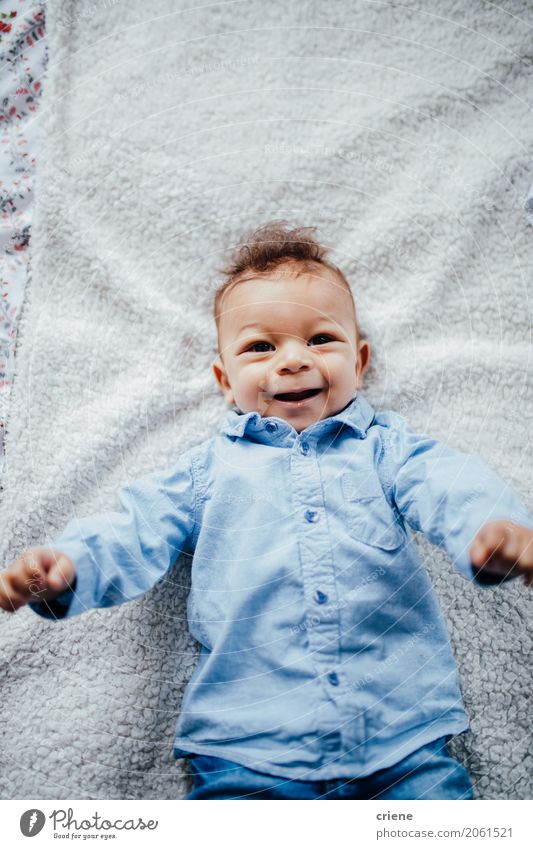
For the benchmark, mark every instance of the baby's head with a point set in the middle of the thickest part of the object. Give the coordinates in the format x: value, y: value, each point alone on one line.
x: 289, y: 344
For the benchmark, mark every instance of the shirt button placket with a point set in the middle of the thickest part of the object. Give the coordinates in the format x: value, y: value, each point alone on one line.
x: 317, y: 564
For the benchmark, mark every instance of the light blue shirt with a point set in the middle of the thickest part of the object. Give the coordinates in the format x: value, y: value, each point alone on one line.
x: 324, y: 653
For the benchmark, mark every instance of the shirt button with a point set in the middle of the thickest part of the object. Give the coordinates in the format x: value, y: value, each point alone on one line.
x: 311, y: 515
x: 333, y: 678
x: 304, y: 447
x: 271, y: 427
x: 320, y: 597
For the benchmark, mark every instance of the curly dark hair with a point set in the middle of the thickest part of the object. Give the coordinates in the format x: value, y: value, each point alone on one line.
x: 271, y: 245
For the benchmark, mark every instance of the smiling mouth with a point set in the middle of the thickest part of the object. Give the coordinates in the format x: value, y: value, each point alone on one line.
x: 297, y: 396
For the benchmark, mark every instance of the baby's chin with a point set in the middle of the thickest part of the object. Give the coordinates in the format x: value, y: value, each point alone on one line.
x: 299, y: 414
x: 302, y: 414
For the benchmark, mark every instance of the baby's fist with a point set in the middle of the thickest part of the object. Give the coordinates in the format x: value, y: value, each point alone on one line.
x: 504, y: 548
x: 39, y: 574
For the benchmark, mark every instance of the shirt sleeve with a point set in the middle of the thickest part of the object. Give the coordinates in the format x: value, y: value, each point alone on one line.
x: 448, y: 495
x: 121, y: 555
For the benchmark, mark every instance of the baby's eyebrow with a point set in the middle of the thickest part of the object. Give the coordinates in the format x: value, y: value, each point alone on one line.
x: 251, y: 324
x: 262, y: 329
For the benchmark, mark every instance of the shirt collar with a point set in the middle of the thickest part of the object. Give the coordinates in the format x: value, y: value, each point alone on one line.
x: 358, y: 415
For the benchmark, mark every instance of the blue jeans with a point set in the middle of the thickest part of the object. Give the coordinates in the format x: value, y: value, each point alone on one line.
x: 427, y: 773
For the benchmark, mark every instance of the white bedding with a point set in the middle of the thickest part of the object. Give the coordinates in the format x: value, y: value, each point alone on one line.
x: 403, y: 133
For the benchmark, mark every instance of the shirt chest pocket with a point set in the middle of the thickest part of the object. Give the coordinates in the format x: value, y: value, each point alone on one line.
x: 369, y: 517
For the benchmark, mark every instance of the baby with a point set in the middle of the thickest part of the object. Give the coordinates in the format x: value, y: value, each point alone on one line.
x: 325, y: 668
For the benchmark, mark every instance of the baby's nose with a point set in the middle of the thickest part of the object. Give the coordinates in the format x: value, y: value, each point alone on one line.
x: 293, y: 357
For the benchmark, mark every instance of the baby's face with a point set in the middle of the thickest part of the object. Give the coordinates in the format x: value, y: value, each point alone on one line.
x: 288, y: 346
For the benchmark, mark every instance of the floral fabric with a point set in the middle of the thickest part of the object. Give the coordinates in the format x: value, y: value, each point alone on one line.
x: 23, y: 63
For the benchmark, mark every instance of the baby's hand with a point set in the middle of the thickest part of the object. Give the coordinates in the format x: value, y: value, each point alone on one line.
x: 504, y: 548
x: 37, y: 575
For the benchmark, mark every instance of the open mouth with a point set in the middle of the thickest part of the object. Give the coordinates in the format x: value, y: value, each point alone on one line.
x: 297, y: 396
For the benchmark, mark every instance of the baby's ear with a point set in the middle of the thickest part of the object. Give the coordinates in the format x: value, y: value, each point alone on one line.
x: 222, y: 380
x: 362, y: 361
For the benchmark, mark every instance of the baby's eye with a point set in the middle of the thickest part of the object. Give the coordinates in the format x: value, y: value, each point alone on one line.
x: 322, y: 339
x: 257, y: 347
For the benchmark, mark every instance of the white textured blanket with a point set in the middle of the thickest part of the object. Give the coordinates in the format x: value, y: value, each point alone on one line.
x: 402, y: 132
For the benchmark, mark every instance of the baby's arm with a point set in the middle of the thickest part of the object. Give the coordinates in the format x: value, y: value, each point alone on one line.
x: 460, y: 503
x: 109, y: 558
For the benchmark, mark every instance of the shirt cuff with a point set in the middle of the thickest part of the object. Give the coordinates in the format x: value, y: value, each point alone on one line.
x: 490, y: 579
x: 58, y: 607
